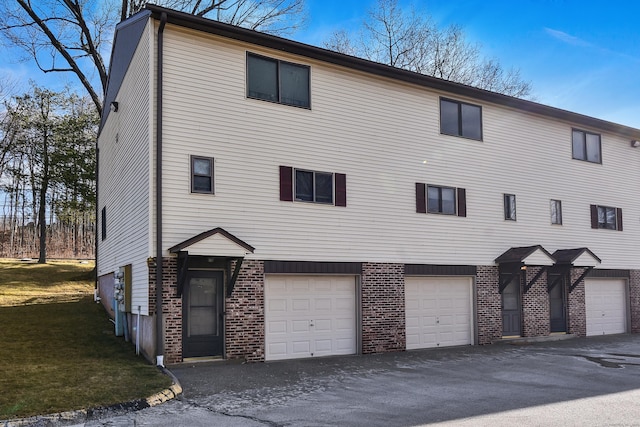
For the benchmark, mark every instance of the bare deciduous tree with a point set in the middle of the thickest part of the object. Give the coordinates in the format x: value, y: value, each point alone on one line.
x: 413, y: 41
x: 75, y: 35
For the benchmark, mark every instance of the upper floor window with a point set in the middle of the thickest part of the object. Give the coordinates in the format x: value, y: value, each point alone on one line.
x: 312, y: 186
x: 556, y: 212
x: 510, y: 207
x: 201, y: 174
x: 441, y: 200
x: 277, y: 81
x: 586, y: 146
x: 606, y: 217
x: 460, y: 119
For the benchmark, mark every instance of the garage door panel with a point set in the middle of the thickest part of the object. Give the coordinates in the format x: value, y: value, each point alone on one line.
x: 299, y: 286
x: 605, y: 306
x: 323, y: 325
x: 299, y: 326
x: 429, y: 304
x: 344, y: 304
x: 275, y: 327
x: 301, y: 347
x: 277, y: 305
x: 412, y: 322
x: 277, y: 349
x: 300, y: 305
x: 443, y: 315
x: 319, y: 314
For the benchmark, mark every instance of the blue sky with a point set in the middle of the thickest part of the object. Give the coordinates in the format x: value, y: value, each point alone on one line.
x: 582, y: 56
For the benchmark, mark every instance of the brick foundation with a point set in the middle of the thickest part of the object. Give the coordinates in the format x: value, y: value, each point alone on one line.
x: 535, y: 305
x: 244, y: 337
x: 489, y: 305
x: 383, y: 308
x: 634, y: 297
x: 171, y: 307
x: 576, y: 311
x: 383, y: 313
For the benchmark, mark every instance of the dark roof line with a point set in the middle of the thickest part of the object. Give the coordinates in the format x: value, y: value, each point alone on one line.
x: 266, y: 40
x: 218, y: 230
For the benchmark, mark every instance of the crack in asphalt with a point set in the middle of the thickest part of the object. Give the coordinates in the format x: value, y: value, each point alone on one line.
x: 227, y: 414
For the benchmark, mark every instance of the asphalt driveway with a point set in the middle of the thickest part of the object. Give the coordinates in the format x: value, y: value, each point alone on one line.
x: 584, y: 381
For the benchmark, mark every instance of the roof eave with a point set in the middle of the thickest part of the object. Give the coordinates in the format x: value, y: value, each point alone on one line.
x: 266, y: 40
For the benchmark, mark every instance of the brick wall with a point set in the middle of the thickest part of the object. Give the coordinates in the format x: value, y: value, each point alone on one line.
x: 383, y: 313
x: 634, y: 296
x: 535, y: 305
x: 171, y: 307
x: 576, y: 311
x: 489, y: 305
x: 244, y: 336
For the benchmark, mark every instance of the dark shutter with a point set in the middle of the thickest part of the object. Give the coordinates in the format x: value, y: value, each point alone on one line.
x: 594, y: 216
x: 462, y: 202
x: 421, y: 200
x: 286, y: 184
x: 619, y: 219
x: 341, y: 189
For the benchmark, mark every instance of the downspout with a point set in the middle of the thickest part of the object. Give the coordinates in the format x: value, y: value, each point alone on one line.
x: 159, y: 320
x: 96, y: 296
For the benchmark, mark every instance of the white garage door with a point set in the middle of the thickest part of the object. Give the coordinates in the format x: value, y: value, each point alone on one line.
x: 309, y: 316
x: 438, y: 311
x: 606, y: 306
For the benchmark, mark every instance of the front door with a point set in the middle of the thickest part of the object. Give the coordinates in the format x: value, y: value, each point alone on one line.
x: 558, y: 317
x: 511, y: 309
x: 202, y: 308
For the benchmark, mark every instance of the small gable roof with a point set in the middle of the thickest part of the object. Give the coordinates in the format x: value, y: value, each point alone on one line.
x: 215, y: 242
x: 580, y: 257
x: 528, y: 255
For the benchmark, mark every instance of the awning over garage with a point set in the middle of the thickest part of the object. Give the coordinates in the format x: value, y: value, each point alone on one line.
x: 216, y: 242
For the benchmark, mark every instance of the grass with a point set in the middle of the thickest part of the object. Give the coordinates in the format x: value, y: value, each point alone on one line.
x: 58, y: 351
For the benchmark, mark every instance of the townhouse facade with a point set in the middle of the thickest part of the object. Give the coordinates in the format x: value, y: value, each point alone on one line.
x: 306, y: 203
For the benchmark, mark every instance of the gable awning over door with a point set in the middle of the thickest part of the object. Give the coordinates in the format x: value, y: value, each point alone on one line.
x: 514, y: 260
x: 567, y: 259
x: 216, y: 242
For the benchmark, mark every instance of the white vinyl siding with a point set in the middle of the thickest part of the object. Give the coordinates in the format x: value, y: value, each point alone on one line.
x: 309, y: 316
x: 439, y: 311
x: 606, y: 306
x: 124, y: 178
x: 385, y: 136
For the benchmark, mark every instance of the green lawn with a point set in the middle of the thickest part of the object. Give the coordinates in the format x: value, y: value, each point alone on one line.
x: 57, y: 348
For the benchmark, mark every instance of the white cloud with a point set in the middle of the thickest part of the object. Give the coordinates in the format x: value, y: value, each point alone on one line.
x: 567, y: 38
